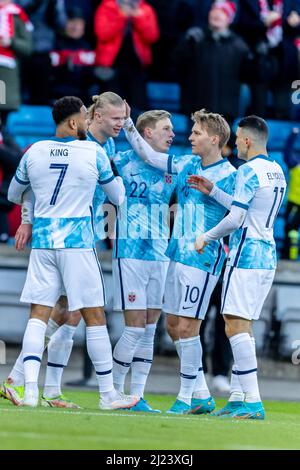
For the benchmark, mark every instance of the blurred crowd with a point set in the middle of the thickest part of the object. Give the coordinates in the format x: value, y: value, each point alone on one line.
x: 51, y: 48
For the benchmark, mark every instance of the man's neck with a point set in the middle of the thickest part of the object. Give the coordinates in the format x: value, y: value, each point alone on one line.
x: 62, y: 131
x: 97, y: 134
x: 253, y: 152
x: 211, y: 158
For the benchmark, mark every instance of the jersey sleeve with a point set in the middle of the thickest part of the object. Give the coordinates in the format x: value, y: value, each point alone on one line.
x: 105, y: 174
x: 20, y: 182
x: 245, y: 187
x: 121, y: 159
x: 21, y: 174
x: 228, y: 184
x: 176, y: 163
x: 110, y: 148
x: 144, y: 150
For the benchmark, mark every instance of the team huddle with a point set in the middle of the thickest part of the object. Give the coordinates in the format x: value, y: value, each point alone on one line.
x: 62, y: 184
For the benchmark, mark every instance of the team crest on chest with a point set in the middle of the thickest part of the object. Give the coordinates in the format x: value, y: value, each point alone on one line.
x: 168, y: 178
x: 131, y: 296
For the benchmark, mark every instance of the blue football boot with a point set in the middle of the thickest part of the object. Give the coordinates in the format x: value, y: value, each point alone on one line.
x: 201, y: 406
x: 180, y: 408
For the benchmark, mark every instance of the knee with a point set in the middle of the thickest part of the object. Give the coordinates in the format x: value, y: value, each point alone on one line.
x: 234, y: 327
x: 172, y: 331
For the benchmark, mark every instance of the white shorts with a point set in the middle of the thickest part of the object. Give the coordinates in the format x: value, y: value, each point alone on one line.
x: 138, y: 284
x: 245, y: 290
x: 188, y: 291
x: 72, y: 272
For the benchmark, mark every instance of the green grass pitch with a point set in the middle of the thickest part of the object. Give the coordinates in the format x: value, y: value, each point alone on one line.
x: 91, y: 428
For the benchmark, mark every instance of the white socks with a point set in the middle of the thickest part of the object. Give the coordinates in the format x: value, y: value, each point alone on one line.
x: 244, y: 355
x: 201, y: 389
x: 236, y: 392
x: 142, y: 361
x: 123, y: 354
x: 59, y: 351
x: 99, y: 350
x: 33, y: 347
x: 190, y: 357
x: 17, y: 372
x: 52, y: 327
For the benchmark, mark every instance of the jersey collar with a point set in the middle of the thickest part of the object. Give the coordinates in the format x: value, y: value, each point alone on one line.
x: 263, y: 157
x: 223, y: 160
x: 63, y: 139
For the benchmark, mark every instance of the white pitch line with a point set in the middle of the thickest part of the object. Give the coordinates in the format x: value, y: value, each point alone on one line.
x: 101, y: 413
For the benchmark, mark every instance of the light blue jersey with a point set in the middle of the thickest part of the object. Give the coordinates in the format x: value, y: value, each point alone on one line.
x: 63, y: 174
x: 260, y: 189
x: 198, y: 213
x: 100, y: 197
x: 142, y: 230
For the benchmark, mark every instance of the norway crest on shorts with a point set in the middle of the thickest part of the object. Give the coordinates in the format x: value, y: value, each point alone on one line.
x: 131, y: 297
x: 168, y: 178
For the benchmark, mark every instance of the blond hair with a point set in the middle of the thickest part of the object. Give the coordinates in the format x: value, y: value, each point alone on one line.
x: 150, y: 118
x: 100, y: 101
x: 214, y: 124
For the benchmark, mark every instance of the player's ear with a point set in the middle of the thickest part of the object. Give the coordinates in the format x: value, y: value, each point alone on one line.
x: 248, y: 141
x: 215, y: 139
x: 72, y: 124
x: 148, y: 132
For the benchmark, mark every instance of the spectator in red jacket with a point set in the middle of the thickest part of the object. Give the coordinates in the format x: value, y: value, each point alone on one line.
x: 125, y: 31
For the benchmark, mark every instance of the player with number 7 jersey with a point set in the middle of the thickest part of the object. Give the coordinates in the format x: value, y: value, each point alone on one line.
x: 63, y: 173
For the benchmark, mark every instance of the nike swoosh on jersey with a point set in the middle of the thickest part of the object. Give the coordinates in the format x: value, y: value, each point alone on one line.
x: 185, y: 308
x: 134, y: 174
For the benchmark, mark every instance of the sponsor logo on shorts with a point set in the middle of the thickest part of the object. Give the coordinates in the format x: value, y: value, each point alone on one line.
x: 131, y: 297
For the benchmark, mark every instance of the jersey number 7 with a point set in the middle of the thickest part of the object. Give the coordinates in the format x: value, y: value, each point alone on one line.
x: 63, y: 170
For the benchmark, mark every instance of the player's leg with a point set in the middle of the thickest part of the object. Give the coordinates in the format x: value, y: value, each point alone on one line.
x: 142, y: 362
x: 33, y: 347
x: 59, y: 351
x: 130, y: 296
x: 85, y: 290
x: 124, y: 351
x: 13, y: 387
x: 194, y: 287
x: 42, y: 289
x: 143, y: 356
x: 245, y: 291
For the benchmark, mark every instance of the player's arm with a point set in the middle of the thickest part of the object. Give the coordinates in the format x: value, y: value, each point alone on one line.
x: 19, y: 183
x: 229, y: 224
x: 145, y: 151
x: 207, y: 187
x: 246, y: 185
x: 112, y: 185
x: 114, y: 190
x: 24, y: 233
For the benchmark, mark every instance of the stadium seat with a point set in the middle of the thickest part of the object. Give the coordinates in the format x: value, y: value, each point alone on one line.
x: 245, y: 99
x: 163, y: 96
x: 30, y: 123
x: 289, y: 332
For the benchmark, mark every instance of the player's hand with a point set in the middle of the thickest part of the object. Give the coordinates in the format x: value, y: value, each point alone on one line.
x: 128, y: 110
x: 200, y: 244
x: 200, y: 183
x: 23, y: 235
